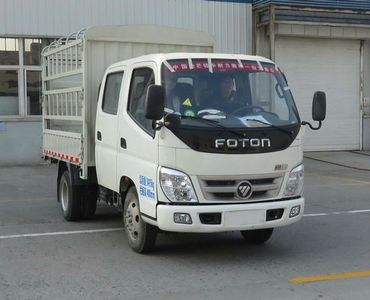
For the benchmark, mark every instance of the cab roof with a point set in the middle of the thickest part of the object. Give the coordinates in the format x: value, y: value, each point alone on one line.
x: 160, y: 57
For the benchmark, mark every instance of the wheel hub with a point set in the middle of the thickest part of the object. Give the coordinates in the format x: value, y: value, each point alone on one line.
x: 64, y: 194
x: 132, y: 221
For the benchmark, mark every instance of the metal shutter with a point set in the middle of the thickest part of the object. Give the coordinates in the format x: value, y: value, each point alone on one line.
x: 332, y: 66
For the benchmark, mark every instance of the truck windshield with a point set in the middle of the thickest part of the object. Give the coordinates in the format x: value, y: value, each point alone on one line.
x: 236, y: 93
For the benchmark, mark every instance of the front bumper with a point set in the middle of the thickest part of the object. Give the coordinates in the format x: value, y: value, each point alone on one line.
x: 233, y: 216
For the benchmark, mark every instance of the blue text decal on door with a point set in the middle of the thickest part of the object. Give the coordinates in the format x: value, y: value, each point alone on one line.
x: 146, y: 187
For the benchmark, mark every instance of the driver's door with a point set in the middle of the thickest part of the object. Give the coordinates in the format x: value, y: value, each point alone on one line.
x: 138, y: 150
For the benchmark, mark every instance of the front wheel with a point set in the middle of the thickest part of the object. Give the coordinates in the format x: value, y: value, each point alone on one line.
x: 258, y: 236
x: 141, y: 235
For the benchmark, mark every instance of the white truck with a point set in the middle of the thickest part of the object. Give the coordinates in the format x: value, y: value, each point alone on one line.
x: 180, y: 139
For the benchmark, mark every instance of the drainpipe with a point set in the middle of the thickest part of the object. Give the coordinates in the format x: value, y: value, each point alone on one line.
x: 256, y: 39
x: 272, y: 32
x: 362, y: 104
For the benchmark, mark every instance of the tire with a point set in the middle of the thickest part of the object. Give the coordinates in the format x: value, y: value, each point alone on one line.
x: 69, y: 197
x: 258, y: 236
x: 141, y: 236
x: 89, y: 202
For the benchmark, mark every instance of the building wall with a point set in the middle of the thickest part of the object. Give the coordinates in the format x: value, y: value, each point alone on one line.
x: 262, y: 42
x: 323, y: 31
x: 20, y: 142
x: 336, y: 4
x: 229, y: 22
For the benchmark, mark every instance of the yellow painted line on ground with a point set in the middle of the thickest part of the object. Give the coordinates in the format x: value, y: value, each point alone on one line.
x: 325, y: 277
x: 353, y: 181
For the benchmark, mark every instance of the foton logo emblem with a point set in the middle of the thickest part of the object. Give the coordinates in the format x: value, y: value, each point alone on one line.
x: 244, y: 190
x: 244, y: 143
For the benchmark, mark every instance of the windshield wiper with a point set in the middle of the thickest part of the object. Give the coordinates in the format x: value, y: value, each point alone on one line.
x: 271, y: 125
x: 213, y: 122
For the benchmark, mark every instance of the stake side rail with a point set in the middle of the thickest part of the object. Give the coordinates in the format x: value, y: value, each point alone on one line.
x: 63, y: 103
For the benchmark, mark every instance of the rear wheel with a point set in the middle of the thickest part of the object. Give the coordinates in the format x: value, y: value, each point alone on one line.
x: 69, y: 197
x: 258, y: 236
x: 141, y: 235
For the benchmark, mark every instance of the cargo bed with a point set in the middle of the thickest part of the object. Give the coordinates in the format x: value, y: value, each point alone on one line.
x: 72, y: 69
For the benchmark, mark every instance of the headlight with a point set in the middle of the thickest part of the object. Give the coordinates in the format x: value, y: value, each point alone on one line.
x: 177, y: 186
x: 294, y: 185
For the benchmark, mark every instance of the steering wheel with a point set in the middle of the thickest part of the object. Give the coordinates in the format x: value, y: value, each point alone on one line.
x: 249, y: 108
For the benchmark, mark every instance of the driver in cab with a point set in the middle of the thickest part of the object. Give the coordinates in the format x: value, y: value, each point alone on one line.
x: 225, y: 97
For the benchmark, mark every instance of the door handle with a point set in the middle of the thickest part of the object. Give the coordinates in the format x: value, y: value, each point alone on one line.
x: 98, y: 135
x: 123, y: 143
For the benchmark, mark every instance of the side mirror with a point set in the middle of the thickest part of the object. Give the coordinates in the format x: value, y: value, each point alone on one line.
x: 319, y: 106
x: 154, y: 103
x: 318, y: 110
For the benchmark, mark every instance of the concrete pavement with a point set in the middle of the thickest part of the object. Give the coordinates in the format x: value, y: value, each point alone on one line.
x: 332, y: 238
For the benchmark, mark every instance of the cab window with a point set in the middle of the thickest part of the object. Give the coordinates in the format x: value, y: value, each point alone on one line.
x: 141, y: 79
x: 111, y: 93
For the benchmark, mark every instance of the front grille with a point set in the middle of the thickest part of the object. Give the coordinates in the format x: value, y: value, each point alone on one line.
x: 223, y: 188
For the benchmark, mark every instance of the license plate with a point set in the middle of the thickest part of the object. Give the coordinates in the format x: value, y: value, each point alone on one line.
x: 246, y: 217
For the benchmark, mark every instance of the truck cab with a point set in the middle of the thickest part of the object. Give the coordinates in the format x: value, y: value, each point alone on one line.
x: 200, y: 142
